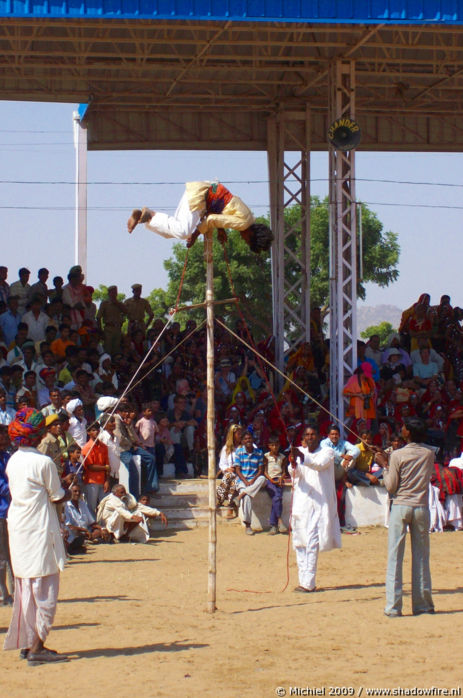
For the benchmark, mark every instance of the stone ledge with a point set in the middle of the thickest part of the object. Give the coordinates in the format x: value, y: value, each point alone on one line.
x: 365, y: 506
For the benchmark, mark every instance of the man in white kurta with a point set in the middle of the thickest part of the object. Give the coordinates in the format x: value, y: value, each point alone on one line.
x: 122, y: 515
x: 314, y: 518
x: 37, y: 551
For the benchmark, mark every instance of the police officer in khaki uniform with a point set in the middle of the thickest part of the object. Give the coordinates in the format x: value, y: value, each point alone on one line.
x: 110, y: 317
x: 136, y: 309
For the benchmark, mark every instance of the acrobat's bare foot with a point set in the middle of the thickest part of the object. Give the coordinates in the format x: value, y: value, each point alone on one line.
x: 134, y: 219
x: 146, y: 215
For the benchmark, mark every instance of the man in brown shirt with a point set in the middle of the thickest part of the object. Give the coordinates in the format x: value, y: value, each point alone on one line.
x: 406, y: 478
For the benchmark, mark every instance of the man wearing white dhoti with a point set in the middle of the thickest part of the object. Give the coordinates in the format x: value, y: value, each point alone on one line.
x: 205, y: 206
x: 125, y: 518
x: 314, y: 517
x: 36, y: 546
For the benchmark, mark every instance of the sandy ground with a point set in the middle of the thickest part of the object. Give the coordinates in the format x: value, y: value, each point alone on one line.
x: 133, y: 618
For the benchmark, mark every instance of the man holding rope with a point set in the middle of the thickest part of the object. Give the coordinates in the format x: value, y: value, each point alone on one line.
x: 36, y: 545
x: 205, y: 206
x: 314, y: 519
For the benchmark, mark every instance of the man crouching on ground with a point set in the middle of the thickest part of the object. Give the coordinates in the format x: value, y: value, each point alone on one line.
x: 125, y: 518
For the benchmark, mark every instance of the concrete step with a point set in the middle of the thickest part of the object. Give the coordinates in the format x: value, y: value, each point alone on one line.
x: 187, y: 486
x: 186, y: 504
x: 179, y: 500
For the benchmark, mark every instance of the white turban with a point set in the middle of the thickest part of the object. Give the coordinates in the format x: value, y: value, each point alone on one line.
x: 105, y: 402
x: 72, y: 404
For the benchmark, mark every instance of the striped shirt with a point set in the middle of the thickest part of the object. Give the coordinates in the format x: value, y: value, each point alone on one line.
x: 249, y: 463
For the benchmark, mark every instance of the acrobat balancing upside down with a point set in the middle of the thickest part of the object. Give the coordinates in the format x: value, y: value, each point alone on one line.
x: 206, y: 206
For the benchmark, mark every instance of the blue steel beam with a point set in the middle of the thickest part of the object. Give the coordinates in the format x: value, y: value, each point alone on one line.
x: 324, y: 11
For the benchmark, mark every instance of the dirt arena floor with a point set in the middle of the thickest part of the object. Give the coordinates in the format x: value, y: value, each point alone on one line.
x: 133, y: 618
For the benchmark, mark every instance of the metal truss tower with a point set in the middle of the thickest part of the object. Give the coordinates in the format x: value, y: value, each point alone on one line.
x: 290, y: 186
x: 343, y: 242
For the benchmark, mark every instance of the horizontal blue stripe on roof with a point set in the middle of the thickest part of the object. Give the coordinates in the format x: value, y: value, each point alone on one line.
x: 331, y: 11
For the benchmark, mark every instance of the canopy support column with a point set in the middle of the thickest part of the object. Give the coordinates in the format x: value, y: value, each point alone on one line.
x: 80, y: 145
x: 290, y: 186
x: 343, y: 243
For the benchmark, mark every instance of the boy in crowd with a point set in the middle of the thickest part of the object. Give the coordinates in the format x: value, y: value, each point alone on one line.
x: 96, y: 468
x: 275, y: 470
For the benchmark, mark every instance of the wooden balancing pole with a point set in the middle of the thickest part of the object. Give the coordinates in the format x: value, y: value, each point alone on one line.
x: 212, y: 566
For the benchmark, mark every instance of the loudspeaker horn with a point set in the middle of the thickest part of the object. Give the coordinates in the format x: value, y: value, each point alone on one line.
x: 344, y: 134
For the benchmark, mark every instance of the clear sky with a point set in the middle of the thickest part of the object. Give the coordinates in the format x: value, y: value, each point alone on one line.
x: 37, y: 220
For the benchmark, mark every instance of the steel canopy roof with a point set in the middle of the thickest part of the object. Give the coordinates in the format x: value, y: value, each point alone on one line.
x: 213, y: 84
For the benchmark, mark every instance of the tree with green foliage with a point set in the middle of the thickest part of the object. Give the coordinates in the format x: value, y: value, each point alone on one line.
x: 384, y: 330
x: 252, y: 273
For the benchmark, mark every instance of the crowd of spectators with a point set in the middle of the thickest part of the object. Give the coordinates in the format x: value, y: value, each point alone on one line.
x: 60, y: 353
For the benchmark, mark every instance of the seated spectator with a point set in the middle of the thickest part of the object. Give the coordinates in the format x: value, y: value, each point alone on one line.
x: 361, y: 391
x: 125, y: 518
x: 275, y: 469
x: 59, y: 346
x: 85, y: 392
x: 394, y: 344
x: 425, y: 370
x: 65, y: 376
x: 6, y: 384
x: 15, y: 353
x: 106, y: 371
x: 77, y: 421
x: 7, y: 414
x: 37, y: 321
x: 393, y: 368
x: 29, y: 360
x: 28, y: 391
x: 362, y: 473
x: 164, y: 444
x: 95, y: 459
x: 55, y: 404
x: 226, y: 489
x: 10, y: 320
x: 373, y: 349
x: 72, y: 470
x: 48, y: 376
x: 249, y: 467
x: 80, y: 523
x: 225, y: 381
x: 345, y: 456
x: 182, y: 428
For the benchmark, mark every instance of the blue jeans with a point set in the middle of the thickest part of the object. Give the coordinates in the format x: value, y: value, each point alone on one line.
x: 276, y: 494
x: 417, y: 518
x: 134, y: 481
x: 149, y: 476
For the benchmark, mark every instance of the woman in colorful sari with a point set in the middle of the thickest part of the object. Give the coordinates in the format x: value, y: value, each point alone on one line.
x: 361, y: 391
